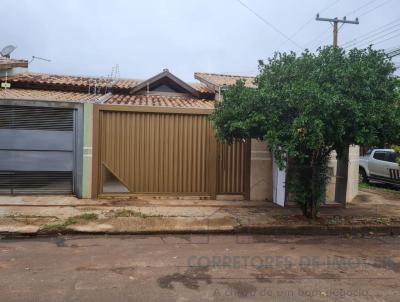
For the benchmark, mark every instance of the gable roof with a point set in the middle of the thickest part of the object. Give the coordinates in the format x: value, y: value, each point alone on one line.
x: 165, y: 75
x: 50, y: 87
x: 217, y: 81
x: 82, y: 83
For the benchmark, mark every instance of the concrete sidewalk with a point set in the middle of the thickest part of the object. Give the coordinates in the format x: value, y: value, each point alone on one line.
x: 369, y: 212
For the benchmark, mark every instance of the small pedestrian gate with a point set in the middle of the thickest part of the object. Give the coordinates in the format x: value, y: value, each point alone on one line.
x: 163, y: 151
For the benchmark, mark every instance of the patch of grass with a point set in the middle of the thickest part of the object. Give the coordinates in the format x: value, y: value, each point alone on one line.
x: 379, y: 187
x: 70, y: 221
x: 87, y: 216
x: 59, y: 227
x: 382, y: 220
x: 52, y: 228
x: 335, y: 220
x: 130, y: 213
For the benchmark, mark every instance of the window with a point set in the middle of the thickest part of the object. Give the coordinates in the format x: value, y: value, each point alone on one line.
x: 380, y: 155
x: 392, y: 157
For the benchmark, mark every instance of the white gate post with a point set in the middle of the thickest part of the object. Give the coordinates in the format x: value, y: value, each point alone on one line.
x: 278, y: 183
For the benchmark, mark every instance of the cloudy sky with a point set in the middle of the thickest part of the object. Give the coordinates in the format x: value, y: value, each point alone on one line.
x: 225, y: 36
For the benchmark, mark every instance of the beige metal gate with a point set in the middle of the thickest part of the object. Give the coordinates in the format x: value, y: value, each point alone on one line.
x: 162, y: 151
x: 233, y: 165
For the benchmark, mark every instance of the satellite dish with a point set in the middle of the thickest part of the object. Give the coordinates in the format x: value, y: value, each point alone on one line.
x: 6, y: 51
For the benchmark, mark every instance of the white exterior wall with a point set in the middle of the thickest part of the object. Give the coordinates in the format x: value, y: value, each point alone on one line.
x: 352, y: 180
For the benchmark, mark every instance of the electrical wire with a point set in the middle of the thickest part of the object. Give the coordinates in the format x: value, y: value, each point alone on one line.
x: 370, y: 32
x: 392, y: 49
x: 378, y: 34
x: 388, y: 39
x: 361, y: 7
x: 370, y: 41
x: 322, y: 36
x: 375, y: 8
x: 393, y: 52
x: 269, y: 24
x: 363, y: 14
x: 310, y: 20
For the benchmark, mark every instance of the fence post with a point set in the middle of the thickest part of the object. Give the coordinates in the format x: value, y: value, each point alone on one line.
x: 213, y: 164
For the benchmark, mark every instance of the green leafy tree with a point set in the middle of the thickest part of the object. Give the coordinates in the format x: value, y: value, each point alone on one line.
x: 305, y: 106
x: 397, y: 147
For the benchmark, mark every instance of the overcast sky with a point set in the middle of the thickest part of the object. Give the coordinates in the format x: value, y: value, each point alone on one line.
x: 89, y: 37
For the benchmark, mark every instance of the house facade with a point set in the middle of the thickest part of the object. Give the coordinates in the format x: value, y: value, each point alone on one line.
x: 106, y: 137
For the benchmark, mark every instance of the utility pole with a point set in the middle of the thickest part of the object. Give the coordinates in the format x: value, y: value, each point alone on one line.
x: 341, y: 165
x: 335, y: 22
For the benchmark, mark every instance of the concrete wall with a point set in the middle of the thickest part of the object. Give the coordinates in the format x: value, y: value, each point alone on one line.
x: 331, y: 186
x: 260, y: 172
x: 261, y: 183
x: 351, y: 185
x: 352, y: 180
x: 87, y: 150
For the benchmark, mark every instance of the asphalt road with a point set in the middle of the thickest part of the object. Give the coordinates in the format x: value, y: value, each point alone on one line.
x: 200, y: 268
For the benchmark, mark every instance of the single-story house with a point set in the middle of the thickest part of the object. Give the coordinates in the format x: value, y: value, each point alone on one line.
x: 102, y: 136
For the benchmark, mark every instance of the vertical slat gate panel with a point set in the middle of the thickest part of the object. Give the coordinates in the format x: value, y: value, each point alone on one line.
x: 231, y: 167
x: 155, y: 153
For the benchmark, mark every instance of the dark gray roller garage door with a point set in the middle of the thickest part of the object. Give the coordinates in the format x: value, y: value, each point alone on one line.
x: 36, y: 150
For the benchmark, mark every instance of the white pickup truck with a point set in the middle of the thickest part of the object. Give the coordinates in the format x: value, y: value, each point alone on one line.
x: 380, y: 165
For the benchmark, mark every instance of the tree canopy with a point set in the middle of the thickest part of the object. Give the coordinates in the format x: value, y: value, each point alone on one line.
x: 305, y: 106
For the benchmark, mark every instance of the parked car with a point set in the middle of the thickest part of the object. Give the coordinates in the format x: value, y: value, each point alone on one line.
x: 380, y: 165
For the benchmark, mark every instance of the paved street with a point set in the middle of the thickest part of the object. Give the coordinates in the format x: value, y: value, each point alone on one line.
x: 199, y: 268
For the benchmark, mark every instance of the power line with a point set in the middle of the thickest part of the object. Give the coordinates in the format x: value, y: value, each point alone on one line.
x: 391, y: 49
x: 378, y: 34
x: 394, y: 53
x: 363, y: 14
x: 335, y: 22
x: 318, y: 38
x: 377, y: 38
x: 382, y: 41
x: 361, y: 7
x: 269, y: 24
x: 322, y: 35
x: 375, y: 8
x: 368, y: 33
x: 310, y: 20
x: 390, y: 38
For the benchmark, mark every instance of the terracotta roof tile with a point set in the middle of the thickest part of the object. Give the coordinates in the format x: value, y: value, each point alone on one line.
x: 47, y: 95
x: 219, y: 80
x: 74, y: 81
x: 161, y: 101
x: 82, y: 83
x: 201, y: 87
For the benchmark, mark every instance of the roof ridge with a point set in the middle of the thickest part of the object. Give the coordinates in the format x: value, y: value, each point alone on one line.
x: 77, y: 76
x: 224, y: 75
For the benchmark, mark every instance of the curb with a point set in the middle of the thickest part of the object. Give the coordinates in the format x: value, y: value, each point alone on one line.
x: 303, y: 230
